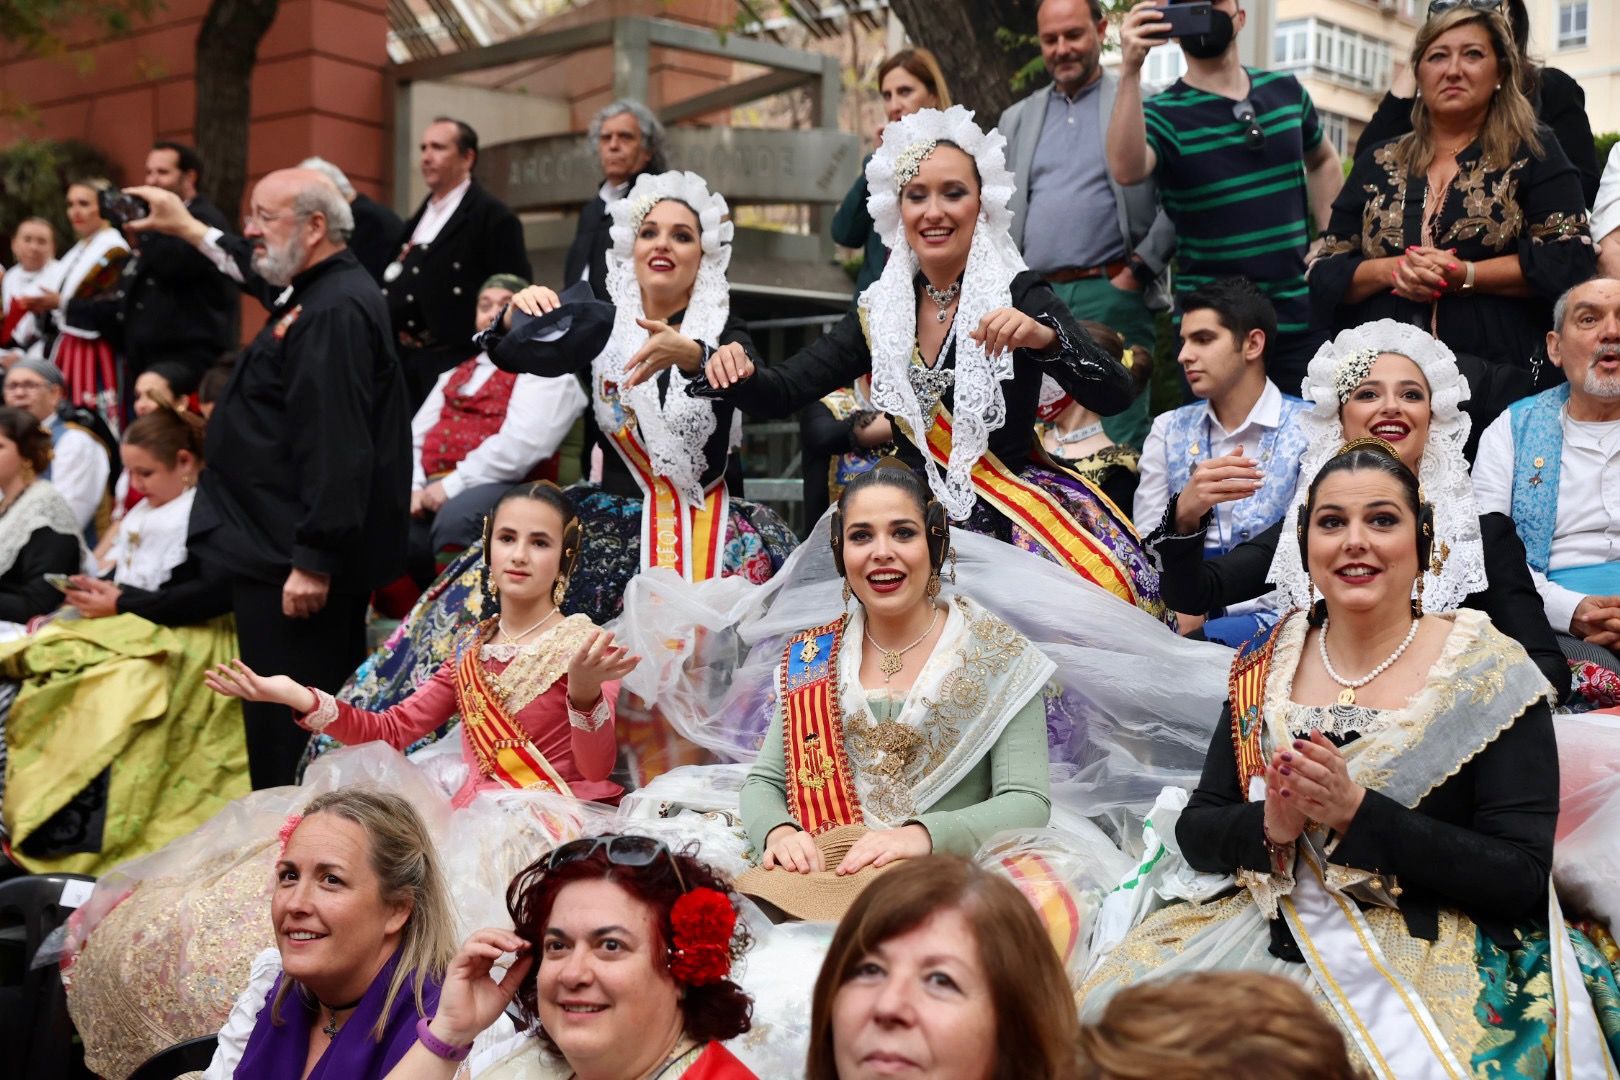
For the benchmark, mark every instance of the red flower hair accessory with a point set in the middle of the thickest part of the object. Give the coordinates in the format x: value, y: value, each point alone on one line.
x: 285, y: 832
x: 703, y: 921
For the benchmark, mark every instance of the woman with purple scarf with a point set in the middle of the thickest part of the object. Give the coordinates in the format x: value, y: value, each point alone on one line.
x: 363, y: 922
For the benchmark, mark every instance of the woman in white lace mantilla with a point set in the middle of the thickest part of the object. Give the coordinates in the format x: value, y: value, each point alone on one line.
x: 1396, y: 382
x: 663, y: 499
x: 1376, y: 817
x: 956, y: 336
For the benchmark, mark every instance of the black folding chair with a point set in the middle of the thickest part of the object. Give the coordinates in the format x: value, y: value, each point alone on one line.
x: 34, y: 1023
x: 193, y: 1055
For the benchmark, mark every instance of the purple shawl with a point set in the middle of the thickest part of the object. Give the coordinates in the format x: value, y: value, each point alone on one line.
x: 279, y: 1051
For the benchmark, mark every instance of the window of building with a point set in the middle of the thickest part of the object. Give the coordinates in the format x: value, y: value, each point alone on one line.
x: 1572, y: 24
x: 1312, y: 46
x: 1336, y: 129
x: 1165, y: 65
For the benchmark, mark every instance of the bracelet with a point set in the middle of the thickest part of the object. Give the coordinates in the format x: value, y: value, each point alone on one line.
x: 1276, y: 853
x: 1468, y: 279
x: 437, y: 1046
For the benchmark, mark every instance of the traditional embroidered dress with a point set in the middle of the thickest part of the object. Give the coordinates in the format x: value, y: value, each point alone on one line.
x: 19, y: 328
x: 663, y: 500
x: 518, y: 728
x: 90, y: 268
x: 967, y: 418
x: 466, y: 419
x: 963, y: 751
x: 1421, y: 930
x: 151, y: 541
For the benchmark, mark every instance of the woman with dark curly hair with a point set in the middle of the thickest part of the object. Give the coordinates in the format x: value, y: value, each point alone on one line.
x: 623, y: 960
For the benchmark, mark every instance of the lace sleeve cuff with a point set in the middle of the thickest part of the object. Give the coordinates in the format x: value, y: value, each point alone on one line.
x: 324, y: 712
x: 1164, y: 533
x: 592, y: 721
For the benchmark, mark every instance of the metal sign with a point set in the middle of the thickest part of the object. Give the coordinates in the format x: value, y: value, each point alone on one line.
x: 746, y: 165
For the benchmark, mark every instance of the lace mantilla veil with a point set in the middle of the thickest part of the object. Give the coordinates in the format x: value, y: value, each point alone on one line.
x: 890, y: 303
x: 676, y: 429
x: 1443, y: 471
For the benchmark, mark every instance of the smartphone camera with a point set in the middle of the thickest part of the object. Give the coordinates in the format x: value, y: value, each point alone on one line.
x: 120, y: 209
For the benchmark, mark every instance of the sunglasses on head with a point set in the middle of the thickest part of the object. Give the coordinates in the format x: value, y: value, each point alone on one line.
x: 1440, y: 7
x: 634, y: 851
x: 1254, y: 136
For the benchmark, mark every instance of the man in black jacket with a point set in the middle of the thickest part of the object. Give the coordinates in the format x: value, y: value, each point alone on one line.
x: 170, y: 304
x: 305, y: 497
x: 459, y: 237
x: 629, y: 141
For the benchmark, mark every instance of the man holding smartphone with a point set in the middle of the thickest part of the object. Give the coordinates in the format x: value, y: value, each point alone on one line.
x: 1240, y: 161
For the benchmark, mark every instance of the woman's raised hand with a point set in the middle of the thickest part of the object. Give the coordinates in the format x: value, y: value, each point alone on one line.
x: 1008, y: 328
x: 1285, y: 817
x: 237, y: 680
x: 1320, y: 782
x: 534, y: 300
x: 601, y: 659
x: 728, y: 366
x: 791, y: 848
x: 665, y: 347
x: 469, y: 1000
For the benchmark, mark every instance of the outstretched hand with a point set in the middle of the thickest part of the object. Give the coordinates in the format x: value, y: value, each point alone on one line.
x: 1008, y: 328
x: 237, y: 680
x: 665, y: 347
x: 601, y: 659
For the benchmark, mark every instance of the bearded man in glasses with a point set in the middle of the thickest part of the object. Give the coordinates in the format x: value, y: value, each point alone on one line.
x: 1224, y: 144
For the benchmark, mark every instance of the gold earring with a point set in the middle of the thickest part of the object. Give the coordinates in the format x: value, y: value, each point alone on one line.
x: 559, y: 589
x: 847, y: 592
x: 933, y: 585
x: 1417, y: 601
x: 953, y: 564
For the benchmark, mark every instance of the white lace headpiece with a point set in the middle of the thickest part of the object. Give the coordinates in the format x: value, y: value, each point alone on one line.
x: 1337, y: 369
x: 676, y: 429
x: 890, y: 303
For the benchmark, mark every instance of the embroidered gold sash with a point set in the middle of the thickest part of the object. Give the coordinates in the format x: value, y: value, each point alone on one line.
x: 503, y: 751
x: 820, y: 783
x: 686, y: 537
x: 1038, y: 513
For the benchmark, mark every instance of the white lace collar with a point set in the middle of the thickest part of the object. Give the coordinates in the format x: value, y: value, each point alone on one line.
x: 39, y: 506
x: 675, y: 429
x: 890, y: 303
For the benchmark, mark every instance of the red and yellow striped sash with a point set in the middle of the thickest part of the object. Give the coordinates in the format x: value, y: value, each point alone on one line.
x: 1038, y: 513
x: 503, y: 751
x: 820, y: 784
x: 1246, y: 694
x: 689, y: 539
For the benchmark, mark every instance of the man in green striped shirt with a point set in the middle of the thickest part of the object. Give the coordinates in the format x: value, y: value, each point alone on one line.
x: 1241, y: 167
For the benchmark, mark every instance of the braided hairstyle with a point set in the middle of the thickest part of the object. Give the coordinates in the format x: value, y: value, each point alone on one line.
x: 553, y: 496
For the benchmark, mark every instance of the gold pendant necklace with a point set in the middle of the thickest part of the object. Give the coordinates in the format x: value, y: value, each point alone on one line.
x: 894, y: 659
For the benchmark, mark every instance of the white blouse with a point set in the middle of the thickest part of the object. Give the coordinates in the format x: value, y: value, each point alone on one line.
x: 151, y: 542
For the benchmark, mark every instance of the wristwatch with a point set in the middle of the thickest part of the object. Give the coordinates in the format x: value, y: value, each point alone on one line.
x: 1467, y: 285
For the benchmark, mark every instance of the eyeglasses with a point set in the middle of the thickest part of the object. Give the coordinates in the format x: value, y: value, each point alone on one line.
x: 1440, y: 7
x: 1254, y: 136
x: 263, y: 218
x: 636, y: 851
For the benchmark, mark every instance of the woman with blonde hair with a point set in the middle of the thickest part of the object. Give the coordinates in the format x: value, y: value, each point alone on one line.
x: 1211, y: 1025
x: 943, y: 966
x: 1473, y: 223
x: 362, y: 919
x: 908, y: 80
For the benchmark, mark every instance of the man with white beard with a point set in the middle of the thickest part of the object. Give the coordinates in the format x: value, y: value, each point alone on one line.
x: 305, y: 498
x: 1552, y: 463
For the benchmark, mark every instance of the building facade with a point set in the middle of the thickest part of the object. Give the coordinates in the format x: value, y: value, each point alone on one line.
x: 1582, y: 39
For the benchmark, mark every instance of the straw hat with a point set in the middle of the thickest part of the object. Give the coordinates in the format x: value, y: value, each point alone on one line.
x: 822, y: 896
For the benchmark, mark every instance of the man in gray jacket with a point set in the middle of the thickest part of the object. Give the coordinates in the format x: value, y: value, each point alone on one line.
x: 1103, y: 247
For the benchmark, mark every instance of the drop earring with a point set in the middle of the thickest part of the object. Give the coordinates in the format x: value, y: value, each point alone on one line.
x: 847, y: 593
x: 559, y: 589
x: 933, y: 585
x: 1417, y: 601
x: 953, y: 564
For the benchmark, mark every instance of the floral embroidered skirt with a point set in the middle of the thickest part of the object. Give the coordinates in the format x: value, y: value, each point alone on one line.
x: 1105, y: 523
x: 758, y: 542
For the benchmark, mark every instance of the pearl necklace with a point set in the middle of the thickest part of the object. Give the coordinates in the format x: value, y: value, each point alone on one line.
x: 894, y: 659
x: 1347, y: 696
x: 500, y: 624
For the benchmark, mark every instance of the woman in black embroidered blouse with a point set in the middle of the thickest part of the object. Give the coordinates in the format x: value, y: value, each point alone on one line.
x: 957, y: 335
x: 1480, y: 263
